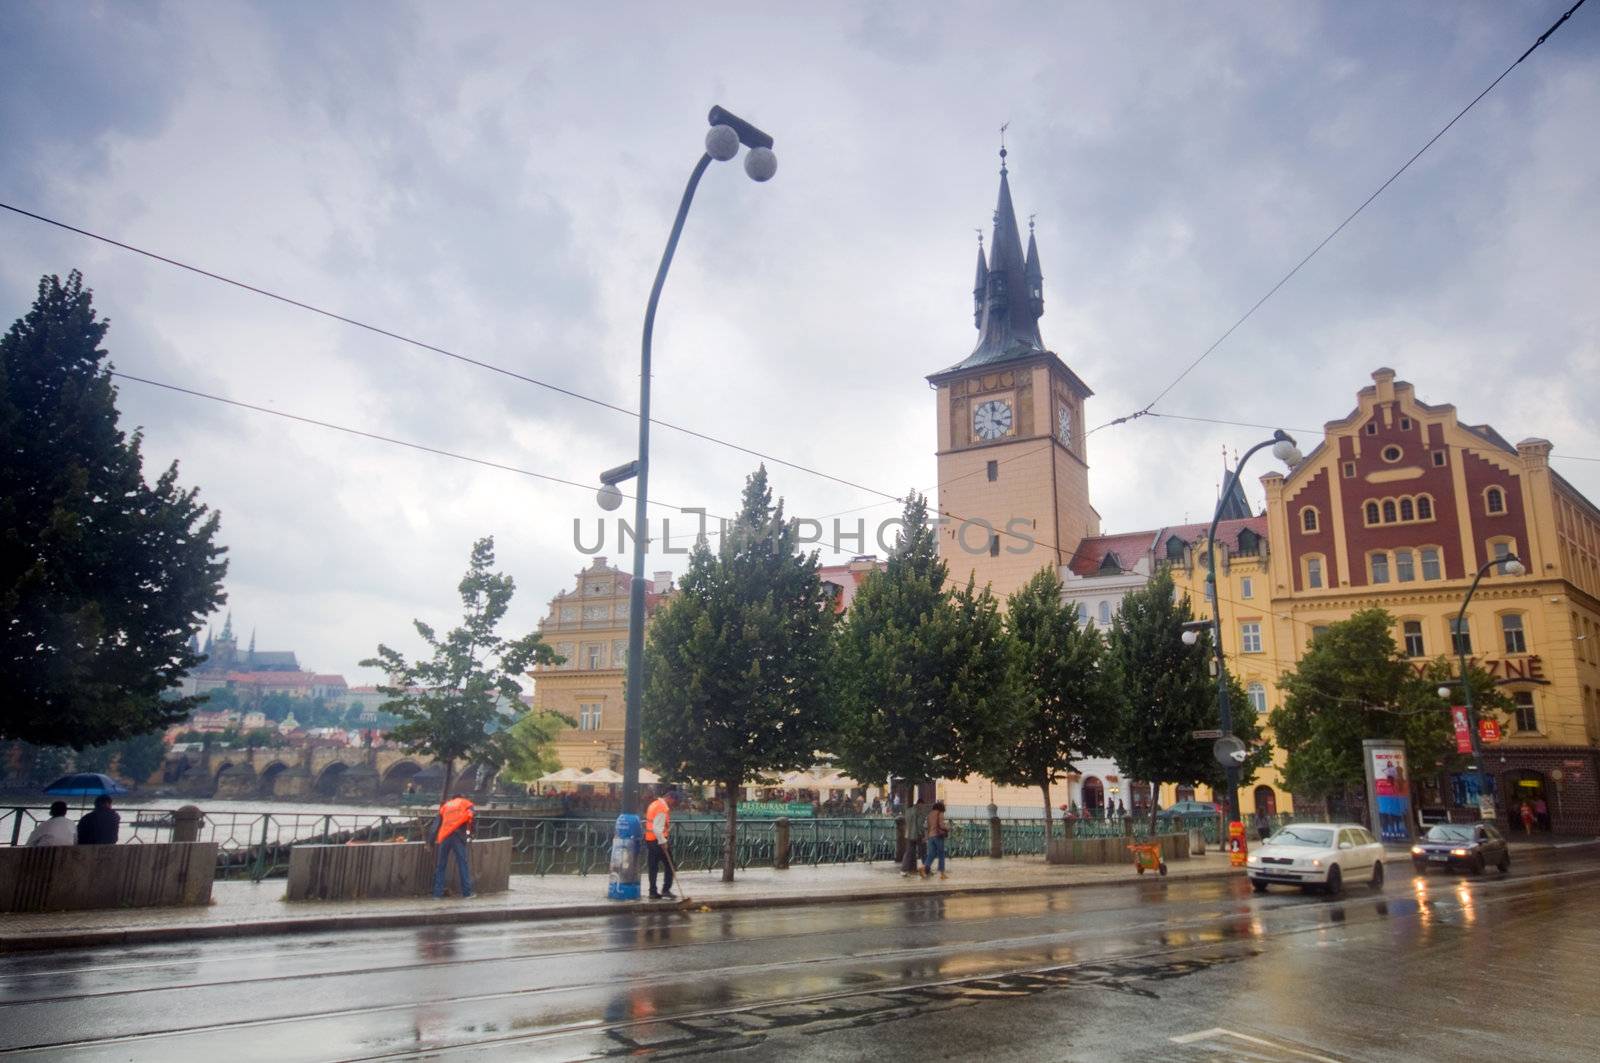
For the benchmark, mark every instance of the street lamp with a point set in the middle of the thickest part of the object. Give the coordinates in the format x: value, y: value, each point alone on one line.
x: 1284, y: 449
x: 727, y: 132
x: 1509, y: 565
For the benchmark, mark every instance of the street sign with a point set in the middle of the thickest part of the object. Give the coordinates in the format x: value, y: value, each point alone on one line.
x: 1229, y: 751
x: 1205, y: 734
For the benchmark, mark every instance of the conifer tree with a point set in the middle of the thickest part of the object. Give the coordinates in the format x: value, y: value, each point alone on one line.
x: 733, y: 684
x: 1069, y: 706
x: 104, y: 579
x: 923, y: 680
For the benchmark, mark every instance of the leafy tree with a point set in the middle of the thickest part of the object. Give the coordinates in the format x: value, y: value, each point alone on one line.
x: 141, y: 756
x: 1354, y: 683
x: 449, y: 705
x: 95, y: 758
x: 734, y: 677
x: 528, y: 746
x: 1069, y: 705
x: 103, y: 578
x: 1168, y: 693
x: 924, y: 681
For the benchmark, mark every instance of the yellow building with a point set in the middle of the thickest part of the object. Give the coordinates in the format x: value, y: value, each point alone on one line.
x: 1398, y: 507
x: 588, y: 625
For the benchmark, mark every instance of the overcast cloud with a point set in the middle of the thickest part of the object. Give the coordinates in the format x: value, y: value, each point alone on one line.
x: 499, y: 180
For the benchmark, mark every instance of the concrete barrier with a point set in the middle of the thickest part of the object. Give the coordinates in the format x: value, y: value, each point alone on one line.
x: 1112, y: 850
x: 69, y: 878
x: 390, y: 869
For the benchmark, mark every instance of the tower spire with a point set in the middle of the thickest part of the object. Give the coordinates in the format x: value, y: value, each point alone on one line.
x: 1008, y: 324
x: 979, y: 285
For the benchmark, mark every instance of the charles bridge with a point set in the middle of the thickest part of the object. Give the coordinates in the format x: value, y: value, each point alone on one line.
x: 330, y: 773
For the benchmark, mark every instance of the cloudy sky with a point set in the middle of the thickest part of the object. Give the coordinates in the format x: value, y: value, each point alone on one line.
x: 499, y: 180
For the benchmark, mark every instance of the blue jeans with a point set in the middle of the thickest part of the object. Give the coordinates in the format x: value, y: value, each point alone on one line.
x: 453, y: 843
x: 935, y: 850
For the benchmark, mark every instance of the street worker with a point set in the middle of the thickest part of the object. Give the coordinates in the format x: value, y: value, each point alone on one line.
x: 100, y: 826
x: 55, y: 830
x: 657, y: 831
x: 452, y: 836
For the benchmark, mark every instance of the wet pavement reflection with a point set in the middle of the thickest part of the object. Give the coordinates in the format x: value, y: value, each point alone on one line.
x: 1025, y: 976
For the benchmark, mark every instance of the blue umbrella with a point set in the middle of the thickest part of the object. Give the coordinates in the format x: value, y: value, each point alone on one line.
x: 85, y: 784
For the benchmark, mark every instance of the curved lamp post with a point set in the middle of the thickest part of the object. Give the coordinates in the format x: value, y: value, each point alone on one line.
x: 728, y: 131
x: 1510, y: 565
x: 1285, y: 450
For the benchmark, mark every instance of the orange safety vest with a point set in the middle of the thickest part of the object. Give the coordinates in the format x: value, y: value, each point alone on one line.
x: 453, y: 815
x: 658, y: 807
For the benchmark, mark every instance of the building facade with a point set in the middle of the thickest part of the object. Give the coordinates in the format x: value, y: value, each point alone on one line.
x: 588, y: 626
x: 1398, y: 507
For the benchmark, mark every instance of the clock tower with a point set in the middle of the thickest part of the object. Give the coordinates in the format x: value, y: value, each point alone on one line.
x: 1013, y: 472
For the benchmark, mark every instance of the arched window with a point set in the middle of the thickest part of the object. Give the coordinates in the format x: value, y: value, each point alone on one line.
x: 1258, y: 697
x: 1389, y: 514
x: 1105, y: 614
x: 1424, y: 507
x: 1407, y: 511
x: 1372, y: 512
x: 1308, y: 519
x: 1494, y: 500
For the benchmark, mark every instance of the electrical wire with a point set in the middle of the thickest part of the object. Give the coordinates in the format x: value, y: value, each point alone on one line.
x: 1146, y: 409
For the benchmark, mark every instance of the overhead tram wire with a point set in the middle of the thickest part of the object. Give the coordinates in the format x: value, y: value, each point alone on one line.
x: 438, y: 451
x: 1147, y: 408
x: 433, y: 348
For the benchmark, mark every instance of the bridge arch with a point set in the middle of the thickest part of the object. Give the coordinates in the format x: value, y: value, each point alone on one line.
x: 269, y: 778
x: 399, y: 775
x: 328, y: 779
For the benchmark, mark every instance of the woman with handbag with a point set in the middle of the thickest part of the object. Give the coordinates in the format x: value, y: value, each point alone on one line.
x: 938, y: 831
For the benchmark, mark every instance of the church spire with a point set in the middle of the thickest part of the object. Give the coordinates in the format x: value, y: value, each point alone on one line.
x: 1008, y: 325
x: 1034, y: 274
x: 980, y: 285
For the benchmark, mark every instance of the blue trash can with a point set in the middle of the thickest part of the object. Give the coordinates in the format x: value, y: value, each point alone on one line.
x: 627, y: 846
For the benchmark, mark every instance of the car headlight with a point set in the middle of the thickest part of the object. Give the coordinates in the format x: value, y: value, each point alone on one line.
x: 1252, y: 859
x: 1316, y: 863
x: 1458, y: 852
x: 1417, y: 850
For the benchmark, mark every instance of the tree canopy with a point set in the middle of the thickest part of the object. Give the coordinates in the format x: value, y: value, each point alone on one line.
x: 734, y: 673
x: 924, y: 683
x: 1068, y: 705
x: 1353, y: 683
x: 460, y: 703
x: 103, y: 577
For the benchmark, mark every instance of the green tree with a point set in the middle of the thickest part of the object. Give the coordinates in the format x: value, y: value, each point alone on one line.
x: 529, y: 751
x: 450, y: 704
x: 1068, y: 704
x: 141, y: 756
x: 1354, y: 683
x: 1167, y: 693
x: 924, y: 681
x: 734, y: 677
x: 95, y: 758
x: 103, y: 578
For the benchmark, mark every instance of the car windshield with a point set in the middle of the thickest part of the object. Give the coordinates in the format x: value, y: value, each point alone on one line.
x: 1320, y: 837
x: 1442, y: 833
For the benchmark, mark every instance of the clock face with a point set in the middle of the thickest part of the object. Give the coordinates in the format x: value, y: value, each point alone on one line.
x: 1064, y: 425
x: 992, y: 419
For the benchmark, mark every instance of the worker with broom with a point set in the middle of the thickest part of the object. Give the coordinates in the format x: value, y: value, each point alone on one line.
x: 657, y: 830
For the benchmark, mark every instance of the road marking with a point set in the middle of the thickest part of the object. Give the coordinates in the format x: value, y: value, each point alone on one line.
x: 1220, y: 1033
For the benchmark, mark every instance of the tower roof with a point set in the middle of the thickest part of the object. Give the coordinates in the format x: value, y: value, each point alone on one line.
x: 1008, y: 320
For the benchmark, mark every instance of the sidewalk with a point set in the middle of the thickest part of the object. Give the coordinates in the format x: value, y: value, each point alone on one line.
x: 248, y: 909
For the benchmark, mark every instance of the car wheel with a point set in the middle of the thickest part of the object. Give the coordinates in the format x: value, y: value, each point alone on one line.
x: 1505, y: 864
x: 1335, y: 883
x: 1258, y: 886
x: 1377, y: 875
x: 1163, y: 869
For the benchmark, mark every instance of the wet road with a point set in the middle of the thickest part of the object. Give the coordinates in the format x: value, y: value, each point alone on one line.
x: 1485, y: 968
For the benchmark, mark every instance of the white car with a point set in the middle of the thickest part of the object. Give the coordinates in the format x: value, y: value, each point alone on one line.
x: 1317, y: 854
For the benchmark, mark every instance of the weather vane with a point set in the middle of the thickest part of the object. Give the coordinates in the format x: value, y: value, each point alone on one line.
x: 1005, y: 126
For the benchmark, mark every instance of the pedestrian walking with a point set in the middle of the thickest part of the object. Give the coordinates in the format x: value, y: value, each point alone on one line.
x: 1121, y: 809
x: 454, y: 832
x: 1526, y: 815
x: 99, y: 827
x: 938, y: 831
x: 657, y: 840
x: 55, y: 830
x: 916, y: 837
x: 1541, y: 813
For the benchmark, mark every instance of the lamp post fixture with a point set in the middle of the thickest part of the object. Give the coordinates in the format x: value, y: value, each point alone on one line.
x: 1509, y: 565
x: 727, y: 132
x: 1285, y: 450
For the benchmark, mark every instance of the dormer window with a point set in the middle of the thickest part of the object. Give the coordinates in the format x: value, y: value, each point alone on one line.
x: 1175, y: 548
x: 1110, y: 566
x: 1249, y: 543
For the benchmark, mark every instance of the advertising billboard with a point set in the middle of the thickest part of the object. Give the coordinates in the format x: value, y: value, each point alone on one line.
x: 1389, y: 790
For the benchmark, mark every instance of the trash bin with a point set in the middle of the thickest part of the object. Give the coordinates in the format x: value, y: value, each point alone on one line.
x: 625, y: 847
x: 1197, y: 842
